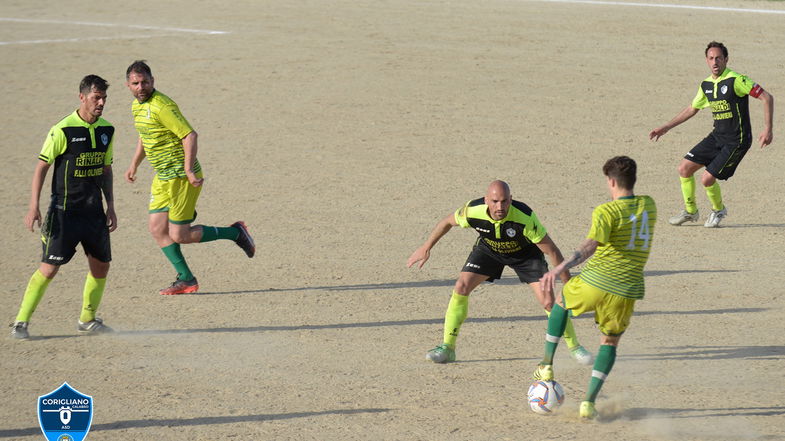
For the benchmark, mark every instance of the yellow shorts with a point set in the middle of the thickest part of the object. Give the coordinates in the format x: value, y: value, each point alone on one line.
x: 177, y: 196
x: 611, y: 312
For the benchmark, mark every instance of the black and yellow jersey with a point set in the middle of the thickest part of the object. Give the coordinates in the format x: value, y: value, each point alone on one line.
x: 727, y: 96
x: 162, y: 128
x: 79, y: 152
x: 514, y: 236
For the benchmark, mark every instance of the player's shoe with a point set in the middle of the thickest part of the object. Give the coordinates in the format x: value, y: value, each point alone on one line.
x: 441, y: 354
x: 587, y: 410
x: 180, y: 287
x: 19, y: 331
x: 715, y: 217
x: 244, y: 239
x: 684, y: 216
x: 94, y: 326
x: 543, y: 372
x: 582, y: 356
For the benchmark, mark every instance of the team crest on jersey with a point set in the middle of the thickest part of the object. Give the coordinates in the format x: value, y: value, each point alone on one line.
x: 510, y: 232
x: 724, y: 89
x: 65, y: 414
x: 105, y: 139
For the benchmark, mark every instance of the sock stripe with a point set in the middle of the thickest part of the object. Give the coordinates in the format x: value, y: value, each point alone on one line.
x: 551, y: 338
x: 600, y: 375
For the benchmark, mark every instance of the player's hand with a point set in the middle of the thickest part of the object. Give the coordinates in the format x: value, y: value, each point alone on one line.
x: 196, y: 182
x: 130, y: 175
x: 656, y: 133
x: 421, y: 255
x: 765, y: 138
x: 111, y: 219
x: 33, y: 217
x: 548, y: 283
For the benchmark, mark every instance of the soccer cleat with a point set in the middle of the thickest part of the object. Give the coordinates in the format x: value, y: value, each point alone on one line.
x: 180, y: 287
x: 441, y: 354
x: 94, y: 326
x: 19, y: 331
x: 715, y: 217
x: 587, y: 410
x: 543, y: 372
x: 582, y: 356
x: 244, y: 239
x: 684, y: 216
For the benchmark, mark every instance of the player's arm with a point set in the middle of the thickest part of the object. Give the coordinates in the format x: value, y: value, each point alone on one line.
x: 584, y: 251
x: 33, y: 209
x: 139, y: 155
x: 767, y: 135
x: 683, y: 116
x: 422, y: 253
x: 549, y: 248
x: 190, y: 148
x: 107, y: 186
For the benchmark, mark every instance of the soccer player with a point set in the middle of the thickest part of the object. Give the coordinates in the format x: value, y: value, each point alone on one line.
x: 169, y: 142
x: 722, y: 150
x: 510, y: 235
x: 80, y: 147
x: 618, y: 243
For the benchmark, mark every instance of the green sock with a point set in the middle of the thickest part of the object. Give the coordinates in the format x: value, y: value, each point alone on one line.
x: 688, y: 192
x: 456, y: 313
x: 715, y: 196
x: 36, y: 288
x: 606, y: 356
x: 569, y: 333
x: 210, y: 234
x: 557, y: 322
x: 175, y: 256
x: 91, y: 298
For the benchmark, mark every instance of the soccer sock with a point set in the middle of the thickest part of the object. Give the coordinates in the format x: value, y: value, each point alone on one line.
x: 456, y: 313
x: 557, y: 322
x: 175, y: 256
x: 210, y: 234
x: 688, y: 192
x: 715, y: 196
x: 569, y: 333
x: 36, y: 288
x: 91, y: 298
x: 606, y: 356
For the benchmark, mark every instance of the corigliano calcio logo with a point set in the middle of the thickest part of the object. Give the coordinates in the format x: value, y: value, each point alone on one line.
x: 65, y: 414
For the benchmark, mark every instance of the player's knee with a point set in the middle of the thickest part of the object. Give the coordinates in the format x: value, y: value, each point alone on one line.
x: 179, y: 237
x: 462, y: 288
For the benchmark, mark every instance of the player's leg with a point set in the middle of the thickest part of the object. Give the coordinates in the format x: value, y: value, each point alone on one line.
x: 687, y: 169
x: 577, y: 352
x: 36, y: 287
x: 722, y: 167
x: 93, y: 293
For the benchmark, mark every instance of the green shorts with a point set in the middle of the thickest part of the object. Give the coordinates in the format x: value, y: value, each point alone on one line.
x: 177, y: 196
x: 611, y: 312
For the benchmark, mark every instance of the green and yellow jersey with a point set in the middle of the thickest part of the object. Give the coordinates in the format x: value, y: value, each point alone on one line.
x: 625, y: 229
x: 162, y: 127
x: 513, y: 236
x: 727, y: 96
x: 79, y: 152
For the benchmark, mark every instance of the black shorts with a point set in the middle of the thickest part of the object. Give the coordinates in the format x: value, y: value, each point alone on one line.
x: 720, y: 158
x: 483, y: 261
x: 63, y: 230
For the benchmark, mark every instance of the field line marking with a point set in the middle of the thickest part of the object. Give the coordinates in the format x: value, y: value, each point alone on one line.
x: 665, y: 5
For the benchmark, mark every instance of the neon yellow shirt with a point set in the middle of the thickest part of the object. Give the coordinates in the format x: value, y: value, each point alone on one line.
x: 514, y: 236
x: 162, y: 128
x: 625, y: 229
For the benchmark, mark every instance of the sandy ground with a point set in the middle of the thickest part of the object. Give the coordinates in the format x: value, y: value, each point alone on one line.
x: 341, y: 132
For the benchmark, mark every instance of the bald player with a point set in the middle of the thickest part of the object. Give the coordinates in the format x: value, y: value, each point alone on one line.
x: 509, y: 235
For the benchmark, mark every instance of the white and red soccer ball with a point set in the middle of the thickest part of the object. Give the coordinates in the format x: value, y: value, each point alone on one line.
x: 545, y: 396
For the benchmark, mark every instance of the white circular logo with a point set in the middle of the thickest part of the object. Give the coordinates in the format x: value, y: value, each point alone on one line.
x: 510, y: 232
x: 104, y: 139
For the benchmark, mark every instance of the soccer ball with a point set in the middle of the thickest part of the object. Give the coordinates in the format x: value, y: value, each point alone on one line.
x: 545, y: 396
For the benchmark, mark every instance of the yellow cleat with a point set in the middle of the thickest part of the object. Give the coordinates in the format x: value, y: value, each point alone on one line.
x: 588, y: 411
x: 543, y: 372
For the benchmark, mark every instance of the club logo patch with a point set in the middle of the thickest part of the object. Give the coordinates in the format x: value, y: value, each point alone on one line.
x: 65, y: 414
x: 105, y: 139
x: 510, y: 232
x: 724, y: 89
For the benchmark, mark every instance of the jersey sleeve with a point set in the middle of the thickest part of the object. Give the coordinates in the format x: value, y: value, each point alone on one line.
x: 460, y: 216
x: 109, y: 156
x: 535, y: 231
x: 171, y: 118
x: 700, y: 101
x: 54, y: 145
x: 600, y: 227
x: 744, y: 86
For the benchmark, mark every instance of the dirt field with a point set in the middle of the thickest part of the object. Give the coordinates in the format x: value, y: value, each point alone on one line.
x: 341, y: 132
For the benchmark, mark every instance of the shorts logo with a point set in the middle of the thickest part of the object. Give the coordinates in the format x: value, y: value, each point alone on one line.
x: 65, y: 414
x: 53, y: 257
x: 510, y: 232
x: 724, y: 89
x: 472, y: 265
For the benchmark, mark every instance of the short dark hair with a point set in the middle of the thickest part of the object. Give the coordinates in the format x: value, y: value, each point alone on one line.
x: 140, y: 67
x: 718, y: 45
x: 623, y: 169
x: 92, y: 81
